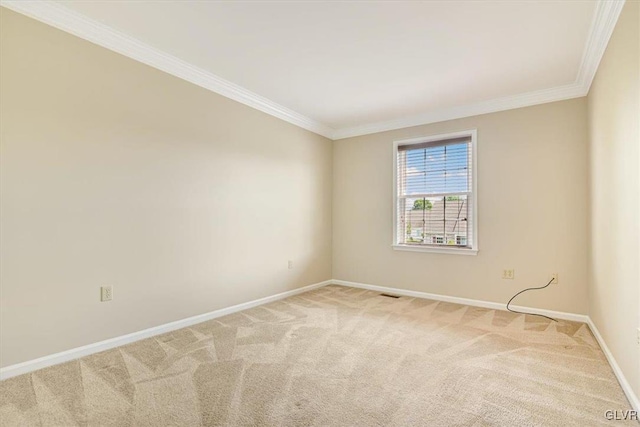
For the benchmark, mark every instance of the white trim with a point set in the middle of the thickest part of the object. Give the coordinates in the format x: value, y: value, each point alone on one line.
x: 56, y: 15
x: 602, y: 26
x: 473, y: 133
x: 72, y: 354
x: 507, y: 103
x: 75, y: 353
x: 624, y: 383
x: 626, y: 387
x: 435, y: 249
x: 89, y: 29
x: 465, y: 301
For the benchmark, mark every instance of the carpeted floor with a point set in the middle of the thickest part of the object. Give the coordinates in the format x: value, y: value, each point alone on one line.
x: 335, y: 356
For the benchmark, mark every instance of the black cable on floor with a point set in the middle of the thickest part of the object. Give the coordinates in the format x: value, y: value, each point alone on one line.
x: 531, y: 314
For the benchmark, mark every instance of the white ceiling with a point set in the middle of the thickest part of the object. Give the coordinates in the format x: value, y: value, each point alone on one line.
x: 347, y: 68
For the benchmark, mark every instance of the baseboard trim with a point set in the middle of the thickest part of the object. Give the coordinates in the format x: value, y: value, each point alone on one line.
x: 626, y: 387
x: 466, y: 301
x: 86, y: 350
x: 624, y: 384
x: 75, y: 353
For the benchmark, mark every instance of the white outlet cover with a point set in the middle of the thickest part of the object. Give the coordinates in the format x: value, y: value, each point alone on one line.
x: 106, y: 293
x: 508, y: 273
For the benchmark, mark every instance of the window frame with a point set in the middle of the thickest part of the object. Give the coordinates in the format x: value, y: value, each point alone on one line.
x: 472, y: 133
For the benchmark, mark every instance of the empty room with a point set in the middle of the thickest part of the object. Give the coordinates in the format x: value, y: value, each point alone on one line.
x: 320, y: 213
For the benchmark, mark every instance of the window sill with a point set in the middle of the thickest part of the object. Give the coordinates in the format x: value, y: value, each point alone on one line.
x: 437, y: 250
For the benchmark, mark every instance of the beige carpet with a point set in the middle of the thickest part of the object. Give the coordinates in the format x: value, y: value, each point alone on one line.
x: 334, y: 356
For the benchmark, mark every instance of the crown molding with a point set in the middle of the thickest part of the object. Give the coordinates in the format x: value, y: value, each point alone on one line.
x: 91, y: 30
x: 507, y: 103
x: 602, y: 25
x: 56, y: 15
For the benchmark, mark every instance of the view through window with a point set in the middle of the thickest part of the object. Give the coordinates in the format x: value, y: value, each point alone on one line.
x: 435, y: 192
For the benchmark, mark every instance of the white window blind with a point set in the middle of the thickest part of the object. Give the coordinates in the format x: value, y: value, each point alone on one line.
x: 435, y: 193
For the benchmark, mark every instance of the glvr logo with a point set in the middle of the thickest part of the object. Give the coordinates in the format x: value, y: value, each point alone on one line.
x: 627, y: 415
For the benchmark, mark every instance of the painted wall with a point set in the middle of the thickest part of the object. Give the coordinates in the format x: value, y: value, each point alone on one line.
x: 532, y: 197
x: 114, y: 173
x: 614, y: 272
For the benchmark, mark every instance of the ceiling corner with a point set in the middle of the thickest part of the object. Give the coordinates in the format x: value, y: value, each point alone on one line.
x: 88, y: 29
x: 604, y: 21
x: 602, y: 26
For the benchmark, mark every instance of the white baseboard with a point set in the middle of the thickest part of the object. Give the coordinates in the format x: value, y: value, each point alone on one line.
x: 466, y: 301
x: 626, y: 387
x: 624, y: 384
x: 75, y: 353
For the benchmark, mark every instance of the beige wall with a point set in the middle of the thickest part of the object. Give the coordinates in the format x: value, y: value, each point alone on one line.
x: 614, y: 273
x: 532, y: 196
x: 116, y: 173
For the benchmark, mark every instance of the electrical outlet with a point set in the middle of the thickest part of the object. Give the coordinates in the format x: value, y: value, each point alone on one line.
x: 290, y: 265
x: 508, y: 274
x: 106, y: 293
x: 554, y: 278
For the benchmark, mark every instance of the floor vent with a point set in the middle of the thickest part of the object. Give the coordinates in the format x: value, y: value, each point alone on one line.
x: 390, y: 296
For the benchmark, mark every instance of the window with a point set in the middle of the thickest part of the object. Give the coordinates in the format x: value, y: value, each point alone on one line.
x: 435, y: 194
